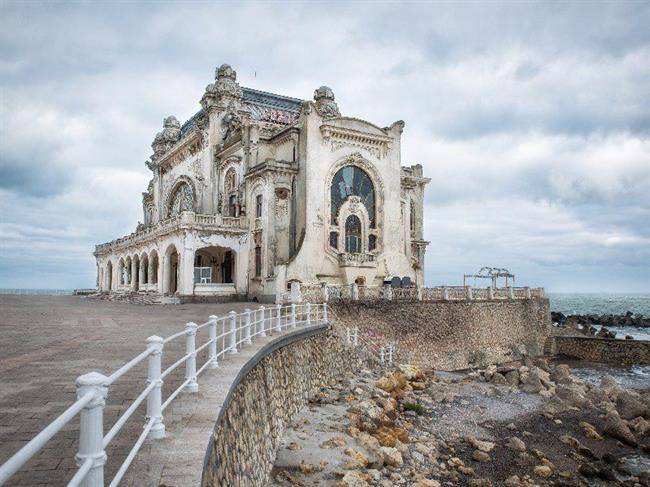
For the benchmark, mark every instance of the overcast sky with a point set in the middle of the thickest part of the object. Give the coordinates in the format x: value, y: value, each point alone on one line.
x: 532, y: 119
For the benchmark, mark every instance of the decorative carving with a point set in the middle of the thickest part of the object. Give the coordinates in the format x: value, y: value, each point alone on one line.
x: 231, y: 124
x: 281, y: 203
x: 224, y: 88
x: 377, y: 145
x: 165, y: 139
x: 325, y: 104
x: 278, y: 116
x: 182, y: 199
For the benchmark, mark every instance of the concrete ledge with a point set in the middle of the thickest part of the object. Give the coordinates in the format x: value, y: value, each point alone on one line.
x: 607, y: 350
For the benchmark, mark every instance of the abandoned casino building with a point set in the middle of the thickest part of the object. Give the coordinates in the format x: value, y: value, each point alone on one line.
x: 258, y: 190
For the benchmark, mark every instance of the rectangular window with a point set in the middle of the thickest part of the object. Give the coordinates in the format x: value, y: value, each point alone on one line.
x: 258, y: 261
x: 372, y: 242
x: 258, y: 206
x: 232, y: 206
x: 334, y: 240
x: 202, y: 275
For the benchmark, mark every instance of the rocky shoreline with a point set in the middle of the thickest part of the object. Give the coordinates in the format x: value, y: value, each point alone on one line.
x: 522, y: 424
x: 608, y: 320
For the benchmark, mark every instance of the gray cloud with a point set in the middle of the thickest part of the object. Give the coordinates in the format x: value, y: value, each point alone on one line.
x: 530, y: 118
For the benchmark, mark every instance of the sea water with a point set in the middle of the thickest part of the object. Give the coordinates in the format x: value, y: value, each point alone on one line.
x: 635, y: 377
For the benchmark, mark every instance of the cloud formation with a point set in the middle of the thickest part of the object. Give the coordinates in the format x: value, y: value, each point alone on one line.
x: 531, y: 119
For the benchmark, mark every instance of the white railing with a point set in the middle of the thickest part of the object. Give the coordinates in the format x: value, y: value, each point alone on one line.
x: 236, y: 331
x: 322, y: 292
x: 382, y: 352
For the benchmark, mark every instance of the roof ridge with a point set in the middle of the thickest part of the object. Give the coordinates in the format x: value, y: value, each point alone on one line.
x: 272, y: 94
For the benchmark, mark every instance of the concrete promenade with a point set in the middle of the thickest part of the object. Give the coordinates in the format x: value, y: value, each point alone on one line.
x: 46, y: 342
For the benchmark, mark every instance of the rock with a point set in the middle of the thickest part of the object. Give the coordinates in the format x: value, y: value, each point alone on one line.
x: 530, y: 381
x: 389, y: 436
x: 571, y: 441
x: 489, y: 372
x: 516, y: 444
x: 392, y: 383
x: 480, y: 483
x: 618, y: 429
x: 629, y: 405
x: 481, y: 456
x: 640, y: 426
x: 427, y: 483
x: 499, y: 379
x: 484, y: 446
x: 573, y: 394
x: 561, y: 374
x: 333, y: 442
x: 512, y: 378
x: 590, y: 431
x: 411, y: 372
x: 392, y: 456
x: 543, y: 471
x: 294, y: 446
x: 357, y: 459
x: 513, y: 481
x: 354, y: 479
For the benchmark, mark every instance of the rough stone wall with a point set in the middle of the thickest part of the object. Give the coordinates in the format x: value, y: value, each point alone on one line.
x: 625, y: 352
x: 262, y: 402
x: 452, y: 335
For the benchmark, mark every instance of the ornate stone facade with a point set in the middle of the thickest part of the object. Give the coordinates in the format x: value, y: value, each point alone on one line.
x: 257, y: 190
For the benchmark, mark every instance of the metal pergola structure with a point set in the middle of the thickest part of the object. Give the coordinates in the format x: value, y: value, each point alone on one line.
x: 492, y: 273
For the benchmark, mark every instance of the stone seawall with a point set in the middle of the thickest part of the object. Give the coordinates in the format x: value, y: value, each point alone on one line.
x: 608, y: 350
x: 273, y: 386
x: 453, y: 335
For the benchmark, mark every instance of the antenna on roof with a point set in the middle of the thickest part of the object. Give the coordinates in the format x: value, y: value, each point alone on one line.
x: 255, y: 74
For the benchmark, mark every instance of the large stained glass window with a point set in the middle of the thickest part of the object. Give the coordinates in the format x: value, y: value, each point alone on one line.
x: 182, y: 200
x: 348, y: 181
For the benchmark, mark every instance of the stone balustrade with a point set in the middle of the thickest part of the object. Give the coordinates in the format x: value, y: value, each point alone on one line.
x: 323, y: 292
x: 186, y: 220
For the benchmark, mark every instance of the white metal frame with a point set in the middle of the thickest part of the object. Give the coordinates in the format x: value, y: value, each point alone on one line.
x: 237, y: 330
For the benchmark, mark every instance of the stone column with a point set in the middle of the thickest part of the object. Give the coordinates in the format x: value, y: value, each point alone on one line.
x: 140, y: 274
x: 186, y: 265
x: 163, y: 274
x: 134, y: 275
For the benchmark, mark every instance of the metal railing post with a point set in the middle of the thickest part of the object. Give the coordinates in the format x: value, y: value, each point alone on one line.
x: 308, y: 305
x: 278, y: 324
x: 91, y: 427
x: 388, y: 292
x: 468, y: 293
x: 261, y: 321
x: 212, y: 348
x: 348, y: 335
x: 233, y: 333
x: 154, y: 398
x: 511, y: 292
x: 293, y: 315
x: 354, y: 291
x: 324, y: 292
x: 527, y: 292
x: 247, y: 327
x: 445, y: 294
x: 325, y: 312
x: 490, y: 293
x: 381, y: 354
x: 190, y: 363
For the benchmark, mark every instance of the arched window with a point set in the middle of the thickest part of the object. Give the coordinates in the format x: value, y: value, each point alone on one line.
x: 348, y: 181
x: 181, y: 200
x: 353, y: 235
x: 230, y: 183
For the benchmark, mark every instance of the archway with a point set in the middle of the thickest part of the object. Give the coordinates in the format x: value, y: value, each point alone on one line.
x: 214, y: 265
x: 144, y: 269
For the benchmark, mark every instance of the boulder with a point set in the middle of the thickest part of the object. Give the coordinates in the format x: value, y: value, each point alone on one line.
x: 590, y: 431
x: 531, y: 382
x: 392, y: 456
x: 629, y: 405
x: 640, y: 426
x: 499, y: 379
x: 411, y: 372
x: 485, y: 446
x: 512, y: 378
x: 618, y: 429
x: 393, y: 383
x: 561, y: 374
x: 516, y: 444
x: 427, y: 483
x: 481, y: 456
x: 390, y: 435
x: 357, y: 459
x: 543, y: 471
x: 354, y: 479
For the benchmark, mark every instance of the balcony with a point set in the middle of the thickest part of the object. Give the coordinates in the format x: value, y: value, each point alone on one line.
x: 357, y: 260
x: 186, y: 220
